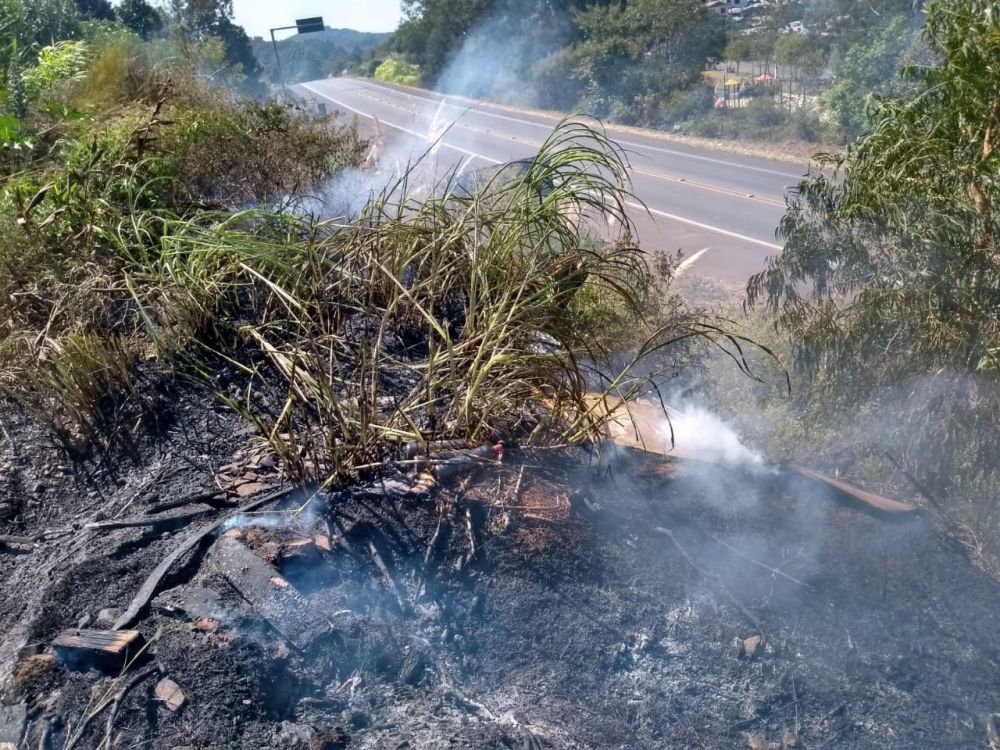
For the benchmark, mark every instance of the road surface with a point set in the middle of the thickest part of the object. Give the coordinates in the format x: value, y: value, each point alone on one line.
x: 720, y: 209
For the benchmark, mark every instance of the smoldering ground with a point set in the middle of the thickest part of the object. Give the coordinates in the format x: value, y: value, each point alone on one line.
x: 542, y: 602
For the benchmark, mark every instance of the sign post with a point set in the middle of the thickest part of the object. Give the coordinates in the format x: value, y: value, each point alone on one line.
x: 302, y: 26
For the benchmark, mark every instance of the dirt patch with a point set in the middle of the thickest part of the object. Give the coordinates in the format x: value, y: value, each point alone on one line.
x: 537, y: 604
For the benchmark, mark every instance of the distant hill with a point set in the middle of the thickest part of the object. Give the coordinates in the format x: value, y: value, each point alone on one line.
x: 347, y: 38
x: 321, y: 54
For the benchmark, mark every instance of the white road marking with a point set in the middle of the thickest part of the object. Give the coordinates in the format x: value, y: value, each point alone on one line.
x: 706, y: 227
x: 637, y: 170
x: 630, y: 144
x: 414, y: 133
x: 630, y: 204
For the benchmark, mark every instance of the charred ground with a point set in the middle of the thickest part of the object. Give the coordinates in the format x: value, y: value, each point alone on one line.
x: 538, y: 603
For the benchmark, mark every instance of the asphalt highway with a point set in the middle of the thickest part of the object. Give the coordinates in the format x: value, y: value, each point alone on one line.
x: 719, y: 208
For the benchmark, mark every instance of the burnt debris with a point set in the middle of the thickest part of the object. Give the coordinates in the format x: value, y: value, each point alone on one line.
x: 499, y: 608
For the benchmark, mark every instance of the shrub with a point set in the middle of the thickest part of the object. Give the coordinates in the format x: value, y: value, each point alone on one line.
x: 94, y: 198
x: 57, y: 64
x: 395, y: 70
x: 281, y: 154
x: 764, y: 115
x: 473, y: 313
x: 688, y: 104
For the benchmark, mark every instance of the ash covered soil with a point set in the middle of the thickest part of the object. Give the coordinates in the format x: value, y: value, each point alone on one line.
x: 540, y: 603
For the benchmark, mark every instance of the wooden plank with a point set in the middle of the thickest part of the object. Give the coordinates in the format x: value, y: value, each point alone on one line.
x: 106, y: 649
x: 273, y: 597
x: 870, y: 499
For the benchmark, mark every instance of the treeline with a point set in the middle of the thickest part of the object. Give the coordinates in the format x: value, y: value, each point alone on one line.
x: 614, y: 58
x: 650, y: 62
x: 200, y: 32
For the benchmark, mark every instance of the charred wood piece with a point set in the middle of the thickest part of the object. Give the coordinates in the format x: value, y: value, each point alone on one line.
x: 7, y: 540
x: 115, y: 703
x: 120, y: 696
x: 267, y: 591
x: 109, y: 650
x: 194, y: 604
x: 415, y: 449
x: 390, y: 582
x: 173, y: 519
x: 216, y: 498
x: 152, y: 582
x: 471, y: 534
x: 474, y: 459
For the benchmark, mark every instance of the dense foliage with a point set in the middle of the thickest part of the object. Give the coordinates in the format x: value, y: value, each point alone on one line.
x: 203, y: 28
x: 397, y: 71
x: 889, y: 284
x: 657, y: 62
x: 613, y: 56
x: 105, y: 143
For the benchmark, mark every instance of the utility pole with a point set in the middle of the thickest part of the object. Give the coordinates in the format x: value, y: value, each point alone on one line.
x: 303, y: 26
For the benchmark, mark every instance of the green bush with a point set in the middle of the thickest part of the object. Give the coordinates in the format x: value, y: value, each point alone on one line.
x: 95, y: 194
x: 395, y: 70
x: 686, y: 105
x: 764, y: 115
x: 57, y: 64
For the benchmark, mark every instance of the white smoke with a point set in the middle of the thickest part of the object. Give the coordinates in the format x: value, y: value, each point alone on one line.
x: 698, y: 433
x: 395, y: 158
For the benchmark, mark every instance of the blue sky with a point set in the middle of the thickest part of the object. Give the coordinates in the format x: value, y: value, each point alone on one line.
x: 259, y: 16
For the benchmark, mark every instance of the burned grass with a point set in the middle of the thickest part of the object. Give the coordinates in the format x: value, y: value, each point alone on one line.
x: 534, y: 603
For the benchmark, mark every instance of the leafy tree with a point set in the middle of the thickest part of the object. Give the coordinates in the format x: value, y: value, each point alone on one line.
x: 95, y: 10
x: 433, y: 30
x: 56, y: 64
x: 801, y: 51
x: 901, y: 254
x: 306, y: 57
x: 868, y: 67
x: 503, y: 37
x: 739, y: 49
x: 38, y: 22
x: 201, y: 20
x: 141, y: 17
x: 644, y: 50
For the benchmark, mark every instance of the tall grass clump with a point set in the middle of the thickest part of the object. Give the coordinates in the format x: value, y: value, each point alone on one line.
x: 116, y: 148
x: 453, y: 315
x: 152, y: 230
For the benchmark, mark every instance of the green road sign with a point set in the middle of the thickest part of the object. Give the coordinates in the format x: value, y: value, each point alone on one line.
x: 305, y: 25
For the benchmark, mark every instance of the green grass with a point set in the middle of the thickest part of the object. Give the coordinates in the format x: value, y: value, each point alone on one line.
x: 121, y: 151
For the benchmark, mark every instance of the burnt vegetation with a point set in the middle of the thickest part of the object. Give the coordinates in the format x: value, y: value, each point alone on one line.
x: 279, y: 478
